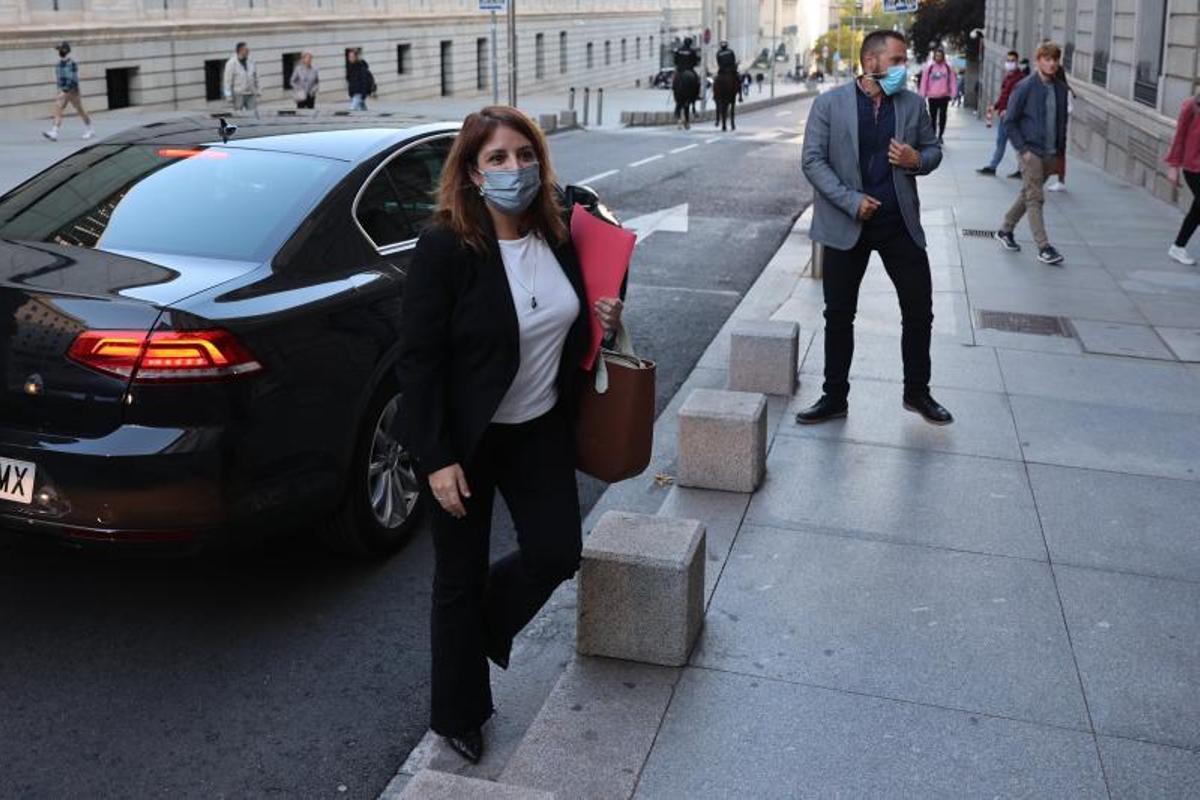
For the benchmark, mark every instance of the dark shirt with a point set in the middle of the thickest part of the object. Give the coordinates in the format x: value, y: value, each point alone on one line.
x: 876, y: 129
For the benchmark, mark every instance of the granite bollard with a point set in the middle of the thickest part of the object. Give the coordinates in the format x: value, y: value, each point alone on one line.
x: 763, y: 356
x: 548, y: 122
x: 568, y: 119
x: 641, y: 588
x: 723, y: 440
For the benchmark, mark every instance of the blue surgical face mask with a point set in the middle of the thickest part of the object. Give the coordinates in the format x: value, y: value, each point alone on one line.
x: 511, y: 190
x: 893, y: 80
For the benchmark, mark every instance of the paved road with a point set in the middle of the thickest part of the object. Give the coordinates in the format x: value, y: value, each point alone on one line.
x: 285, y: 671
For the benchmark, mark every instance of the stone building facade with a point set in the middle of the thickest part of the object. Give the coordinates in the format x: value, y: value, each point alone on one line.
x: 166, y: 54
x: 1130, y: 63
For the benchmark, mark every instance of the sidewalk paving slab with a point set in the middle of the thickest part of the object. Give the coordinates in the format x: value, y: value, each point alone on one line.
x: 1143, y: 770
x: 1123, y: 523
x: 957, y: 630
x: 1135, y: 640
x: 899, y: 495
x: 736, y: 736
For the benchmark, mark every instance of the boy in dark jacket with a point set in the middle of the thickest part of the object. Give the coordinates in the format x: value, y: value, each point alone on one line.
x: 1036, y: 123
x: 359, y: 80
x: 1012, y: 76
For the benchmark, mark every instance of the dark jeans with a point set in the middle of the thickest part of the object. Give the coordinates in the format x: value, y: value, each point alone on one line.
x: 308, y: 102
x: 937, y: 113
x: 1192, y: 220
x: 478, y: 609
x: 908, y: 267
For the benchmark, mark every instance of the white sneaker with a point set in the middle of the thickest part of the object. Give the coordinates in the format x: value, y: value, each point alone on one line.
x: 1181, y: 255
x: 88, y: 132
x: 51, y: 134
x: 1057, y: 186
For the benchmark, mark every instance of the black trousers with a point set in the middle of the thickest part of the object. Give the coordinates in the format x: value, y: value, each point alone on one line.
x: 1192, y: 220
x: 477, y: 608
x: 908, y: 266
x: 937, y: 113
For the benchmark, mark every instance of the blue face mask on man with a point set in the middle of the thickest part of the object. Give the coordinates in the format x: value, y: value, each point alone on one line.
x: 891, y: 81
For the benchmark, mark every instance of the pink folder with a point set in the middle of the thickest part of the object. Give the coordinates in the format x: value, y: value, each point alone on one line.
x: 604, y: 252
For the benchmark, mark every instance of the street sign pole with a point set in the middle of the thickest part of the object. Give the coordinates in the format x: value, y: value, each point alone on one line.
x: 495, y: 68
x: 774, y: 40
x: 512, y: 52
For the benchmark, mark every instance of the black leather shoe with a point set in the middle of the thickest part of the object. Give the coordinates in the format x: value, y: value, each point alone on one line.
x: 930, y: 409
x: 469, y: 745
x: 826, y: 408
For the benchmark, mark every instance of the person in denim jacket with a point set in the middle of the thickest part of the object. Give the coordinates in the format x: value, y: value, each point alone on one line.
x: 66, y: 75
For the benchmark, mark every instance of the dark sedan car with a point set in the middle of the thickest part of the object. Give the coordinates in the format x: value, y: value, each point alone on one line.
x: 198, y: 336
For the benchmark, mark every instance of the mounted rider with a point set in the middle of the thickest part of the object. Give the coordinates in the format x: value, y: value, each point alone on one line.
x: 727, y: 62
x: 687, y: 58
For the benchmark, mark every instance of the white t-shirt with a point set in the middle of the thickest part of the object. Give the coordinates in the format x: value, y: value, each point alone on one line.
x: 546, y: 306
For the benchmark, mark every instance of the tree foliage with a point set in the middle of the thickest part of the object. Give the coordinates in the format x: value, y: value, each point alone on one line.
x: 946, y: 22
x: 846, y: 37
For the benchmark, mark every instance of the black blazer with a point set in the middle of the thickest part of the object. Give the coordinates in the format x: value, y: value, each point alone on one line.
x: 461, y: 347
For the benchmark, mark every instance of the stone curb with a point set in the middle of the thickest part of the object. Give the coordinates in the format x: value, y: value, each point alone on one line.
x: 640, y: 119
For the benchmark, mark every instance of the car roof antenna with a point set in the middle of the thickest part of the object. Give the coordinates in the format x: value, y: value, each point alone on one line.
x: 225, y: 129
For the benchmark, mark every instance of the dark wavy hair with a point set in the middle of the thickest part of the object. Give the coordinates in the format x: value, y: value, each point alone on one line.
x: 460, y: 206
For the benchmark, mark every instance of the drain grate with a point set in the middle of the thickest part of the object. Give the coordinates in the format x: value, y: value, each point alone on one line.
x: 1038, y: 324
x: 977, y: 233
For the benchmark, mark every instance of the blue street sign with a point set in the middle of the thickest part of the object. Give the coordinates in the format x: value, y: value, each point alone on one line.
x: 493, y: 5
x: 899, y: 6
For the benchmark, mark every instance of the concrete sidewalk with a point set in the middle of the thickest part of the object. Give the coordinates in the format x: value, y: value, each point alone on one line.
x: 1003, y: 607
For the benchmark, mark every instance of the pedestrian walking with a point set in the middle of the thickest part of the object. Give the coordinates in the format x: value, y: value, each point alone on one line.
x: 1037, y: 127
x: 66, y: 78
x: 1184, y: 156
x: 865, y: 199
x: 759, y: 78
x: 1012, y: 76
x: 961, y: 81
x: 1059, y: 182
x: 305, y: 81
x: 1025, y: 72
x: 240, y: 80
x: 359, y: 80
x: 938, y: 87
x: 494, y: 325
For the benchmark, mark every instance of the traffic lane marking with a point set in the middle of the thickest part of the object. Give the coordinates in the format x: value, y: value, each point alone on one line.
x: 685, y: 147
x: 599, y: 176
x: 646, y: 160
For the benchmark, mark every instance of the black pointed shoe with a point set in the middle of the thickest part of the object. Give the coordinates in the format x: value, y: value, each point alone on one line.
x: 823, y: 410
x: 469, y: 745
x: 933, y: 412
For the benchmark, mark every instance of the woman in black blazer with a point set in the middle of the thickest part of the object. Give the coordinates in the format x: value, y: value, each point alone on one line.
x: 494, y: 328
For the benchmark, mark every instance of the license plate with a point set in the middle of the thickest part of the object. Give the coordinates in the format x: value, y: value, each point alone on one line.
x: 16, y: 480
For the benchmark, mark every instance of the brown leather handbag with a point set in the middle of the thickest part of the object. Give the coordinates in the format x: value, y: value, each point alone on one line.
x: 614, y: 434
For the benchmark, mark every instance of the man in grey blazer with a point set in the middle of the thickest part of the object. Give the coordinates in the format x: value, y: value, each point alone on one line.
x: 864, y: 146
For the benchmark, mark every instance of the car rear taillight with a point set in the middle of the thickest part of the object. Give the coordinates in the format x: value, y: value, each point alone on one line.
x: 164, y: 355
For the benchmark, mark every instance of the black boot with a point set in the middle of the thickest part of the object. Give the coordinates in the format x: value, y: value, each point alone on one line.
x: 930, y: 409
x: 826, y: 408
x: 469, y: 745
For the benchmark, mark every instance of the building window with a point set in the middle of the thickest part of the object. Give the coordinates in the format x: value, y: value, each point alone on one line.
x: 624, y: 52
x: 539, y: 56
x: 290, y: 60
x: 214, y: 73
x: 119, y: 83
x: 637, y: 49
x: 607, y: 53
x: 591, y: 57
x: 1152, y: 19
x: 562, y: 52
x: 1101, y: 40
x: 1069, y: 35
x: 402, y: 54
x: 481, y: 64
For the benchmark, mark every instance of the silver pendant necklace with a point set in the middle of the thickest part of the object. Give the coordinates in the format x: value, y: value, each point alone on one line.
x: 533, y: 303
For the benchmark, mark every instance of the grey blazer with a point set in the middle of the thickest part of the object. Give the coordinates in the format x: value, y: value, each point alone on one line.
x: 830, y: 162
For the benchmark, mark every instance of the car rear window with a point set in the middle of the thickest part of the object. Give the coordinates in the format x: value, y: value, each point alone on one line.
x: 214, y: 202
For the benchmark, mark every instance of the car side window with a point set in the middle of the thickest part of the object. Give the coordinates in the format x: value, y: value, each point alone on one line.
x: 402, y: 196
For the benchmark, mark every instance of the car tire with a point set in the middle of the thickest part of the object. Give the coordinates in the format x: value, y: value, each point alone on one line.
x: 384, y: 499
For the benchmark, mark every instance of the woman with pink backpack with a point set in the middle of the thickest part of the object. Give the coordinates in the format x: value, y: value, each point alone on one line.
x: 939, y: 85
